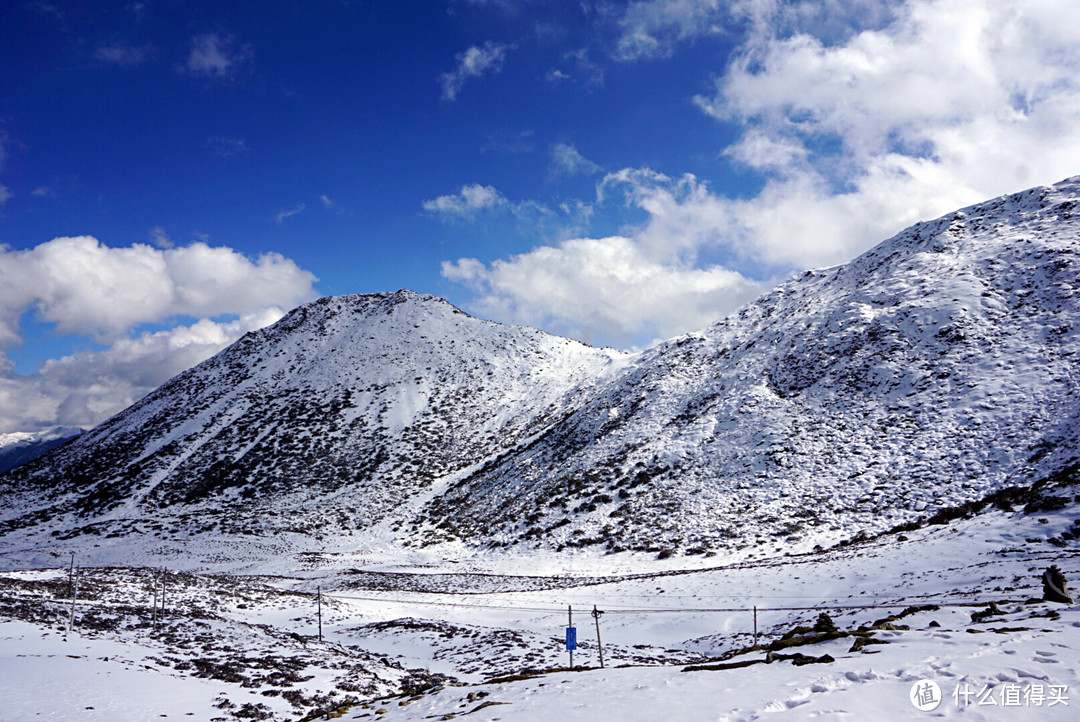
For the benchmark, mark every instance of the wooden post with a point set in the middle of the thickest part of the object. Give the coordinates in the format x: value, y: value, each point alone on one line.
x: 163, y: 581
x: 319, y: 590
x: 154, y: 586
x: 755, y: 625
x: 71, y: 575
x: 599, y: 647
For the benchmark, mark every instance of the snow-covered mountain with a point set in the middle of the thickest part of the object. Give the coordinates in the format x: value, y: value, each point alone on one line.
x: 934, y: 369
x: 329, y: 421
x: 19, y: 447
x: 930, y: 371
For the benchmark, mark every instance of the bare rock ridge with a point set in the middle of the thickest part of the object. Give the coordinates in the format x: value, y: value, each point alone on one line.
x: 931, y: 371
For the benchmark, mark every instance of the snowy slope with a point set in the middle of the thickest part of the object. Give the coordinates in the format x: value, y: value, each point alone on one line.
x: 934, y: 369
x: 233, y: 648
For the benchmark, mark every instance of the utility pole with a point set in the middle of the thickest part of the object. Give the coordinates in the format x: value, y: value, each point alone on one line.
x: 599, y: 647
x: 71, y: 574
x: 319, y: 591
x: 755, y: 625
x: 571, y: 634
x: 74, y: 596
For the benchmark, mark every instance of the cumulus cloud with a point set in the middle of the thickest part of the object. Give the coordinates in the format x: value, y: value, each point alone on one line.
x: 85, y: 388
x: 471, y: 200
x: 473, y: 63
x: 567, y: 160
x: 860, y: 132
x: 476, y: 200
x: 620, y: 289
x: 600, y: 290
x: 83, y: 287
x: 217, y: 56
x: 857, y: 122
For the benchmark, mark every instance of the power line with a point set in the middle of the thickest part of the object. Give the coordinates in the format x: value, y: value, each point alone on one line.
x: 664, y: 610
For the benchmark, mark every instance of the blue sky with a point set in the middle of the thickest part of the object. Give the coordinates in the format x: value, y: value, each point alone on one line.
x: 175, y: 173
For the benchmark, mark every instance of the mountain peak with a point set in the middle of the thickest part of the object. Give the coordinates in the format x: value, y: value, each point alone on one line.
x: 931, y: 371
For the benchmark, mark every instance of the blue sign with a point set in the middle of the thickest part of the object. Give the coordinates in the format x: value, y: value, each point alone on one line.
x: 571, y: 639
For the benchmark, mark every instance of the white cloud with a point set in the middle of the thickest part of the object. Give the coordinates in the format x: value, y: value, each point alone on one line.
x: 567, y: 160
x: 472, y: 199
x: 5, y: 194
x: 600, y: 290
x: 858, y: 121
x: 473, y: 63
x: 43, y: 192
x: 289, y: 212
x: 556, y: 76
x: 83, y: 287
x: 653, y: 28
x: 579, y: 68
x: 217, y: 56
x: 934, y: 105
x: 159, y: 237
x: 87, y: 288
x: 617, y: 289
x: 85, y: 388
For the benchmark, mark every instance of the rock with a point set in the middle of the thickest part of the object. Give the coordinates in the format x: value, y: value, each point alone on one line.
x: 990, y: 611
x: 1054, y: 586
x: 824, y: 623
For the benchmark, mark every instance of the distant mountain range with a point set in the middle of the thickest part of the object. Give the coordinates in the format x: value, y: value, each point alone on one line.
x: 930, y: 371
x: 22, y: 446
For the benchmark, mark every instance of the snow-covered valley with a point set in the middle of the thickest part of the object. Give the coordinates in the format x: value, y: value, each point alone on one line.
x: 383, y: 508
x: 424, y: 636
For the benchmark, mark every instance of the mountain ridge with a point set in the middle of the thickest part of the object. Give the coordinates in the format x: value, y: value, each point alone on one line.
x: 20, y: 447
x: 979, y: 304
x: 930, y: 371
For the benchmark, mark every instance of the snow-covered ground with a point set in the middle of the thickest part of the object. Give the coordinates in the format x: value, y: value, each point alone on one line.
x: 383, y: 508
x: 236, y: 647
